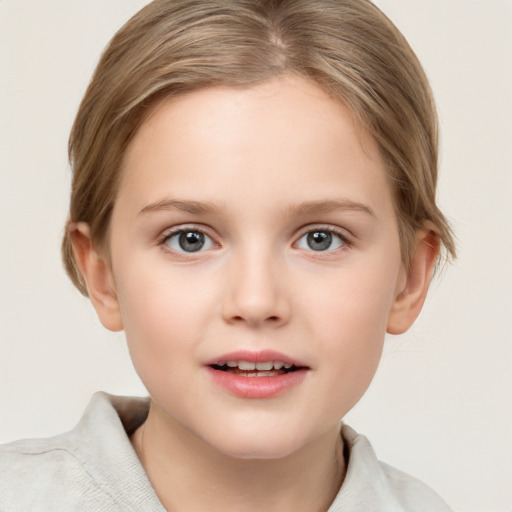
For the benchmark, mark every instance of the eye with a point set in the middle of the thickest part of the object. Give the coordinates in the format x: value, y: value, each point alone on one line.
x: 321, y: 240
x: 188, y: 240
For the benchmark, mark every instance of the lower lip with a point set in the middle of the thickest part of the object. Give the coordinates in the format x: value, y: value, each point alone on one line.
x: 257, y: 387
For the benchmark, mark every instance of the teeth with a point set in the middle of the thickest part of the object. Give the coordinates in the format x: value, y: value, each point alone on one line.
x: 246, y: 365
x: 264, y: 366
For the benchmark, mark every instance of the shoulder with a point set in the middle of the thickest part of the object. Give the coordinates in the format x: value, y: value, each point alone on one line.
x: 43, y: 474
x: 92, y: 467
x: 413, y: 494
x: 373, y: 485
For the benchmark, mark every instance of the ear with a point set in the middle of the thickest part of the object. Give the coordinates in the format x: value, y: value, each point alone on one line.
x: 98, y: 276
x: 411, y: 296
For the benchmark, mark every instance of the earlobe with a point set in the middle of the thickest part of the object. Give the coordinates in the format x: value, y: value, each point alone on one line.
x: 411, y: 296
x: 98, y: 276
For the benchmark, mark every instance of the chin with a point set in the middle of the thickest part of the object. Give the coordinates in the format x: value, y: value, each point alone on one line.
x: 243, y: 452
x: 258, y: 446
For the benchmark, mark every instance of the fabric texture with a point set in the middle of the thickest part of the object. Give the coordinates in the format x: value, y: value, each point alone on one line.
x: 95, y: 468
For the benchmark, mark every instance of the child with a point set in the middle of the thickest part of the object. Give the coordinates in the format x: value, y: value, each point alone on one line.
x: 253, y: 203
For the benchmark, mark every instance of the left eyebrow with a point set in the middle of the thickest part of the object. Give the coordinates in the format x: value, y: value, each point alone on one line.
x: 194, y: 207
x: 321, y: 207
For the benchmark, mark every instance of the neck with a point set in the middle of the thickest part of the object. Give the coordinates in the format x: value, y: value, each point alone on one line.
x: 188, y: 474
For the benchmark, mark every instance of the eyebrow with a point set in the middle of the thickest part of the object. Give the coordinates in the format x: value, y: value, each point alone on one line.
x: 194, y: 207
x: 301, y: 209
x: 315, y: 207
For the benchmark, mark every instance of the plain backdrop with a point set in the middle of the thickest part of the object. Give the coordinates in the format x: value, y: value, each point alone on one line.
x: 440, y: 406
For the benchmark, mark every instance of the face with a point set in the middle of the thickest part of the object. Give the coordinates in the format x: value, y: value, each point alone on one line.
x: 255, y: 258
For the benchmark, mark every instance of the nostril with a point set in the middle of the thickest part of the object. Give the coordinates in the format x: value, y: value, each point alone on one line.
x: 273, y: 320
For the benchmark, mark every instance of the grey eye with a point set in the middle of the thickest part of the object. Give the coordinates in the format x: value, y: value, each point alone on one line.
x: 320, y: 240
x: 189, y: 241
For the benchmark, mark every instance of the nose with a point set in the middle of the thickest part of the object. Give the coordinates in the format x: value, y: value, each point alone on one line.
x: 256, y: 292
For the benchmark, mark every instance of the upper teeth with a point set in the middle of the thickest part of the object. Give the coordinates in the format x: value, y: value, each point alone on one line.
x: 264, y: 366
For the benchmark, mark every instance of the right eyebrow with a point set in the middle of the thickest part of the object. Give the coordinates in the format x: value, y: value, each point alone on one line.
x: 194, y: 207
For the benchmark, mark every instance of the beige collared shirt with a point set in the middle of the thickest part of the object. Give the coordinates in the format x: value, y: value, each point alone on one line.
x: 94, y: 468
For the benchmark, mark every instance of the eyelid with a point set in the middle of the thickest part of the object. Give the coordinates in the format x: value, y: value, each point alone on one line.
x: 171, y: 230
x: 344, y: 234
x: 175, y: 230
x: 346, y: 240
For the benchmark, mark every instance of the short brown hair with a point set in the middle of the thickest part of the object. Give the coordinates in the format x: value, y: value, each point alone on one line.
x: 170, y: 47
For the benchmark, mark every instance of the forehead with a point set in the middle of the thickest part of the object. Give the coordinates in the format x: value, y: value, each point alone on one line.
x: 276, y: 139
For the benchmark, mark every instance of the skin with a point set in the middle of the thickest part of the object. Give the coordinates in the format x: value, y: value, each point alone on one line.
x: 254, y: 157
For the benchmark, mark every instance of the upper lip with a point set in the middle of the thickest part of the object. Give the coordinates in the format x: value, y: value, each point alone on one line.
x: 259, y: 356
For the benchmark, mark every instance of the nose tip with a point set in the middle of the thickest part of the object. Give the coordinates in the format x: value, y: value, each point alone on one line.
x: 256, y: 298
x: 255, y: 311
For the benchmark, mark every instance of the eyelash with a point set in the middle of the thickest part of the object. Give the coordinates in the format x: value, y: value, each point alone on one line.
x: 168, y: 235
x: 342, y: 235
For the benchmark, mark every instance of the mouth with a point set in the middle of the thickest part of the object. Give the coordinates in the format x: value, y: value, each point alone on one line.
x: 253, y: 369
x: 257, y: 375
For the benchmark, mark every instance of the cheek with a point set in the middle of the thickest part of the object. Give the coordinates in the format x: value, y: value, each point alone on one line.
x: 355, y: 300
x: 351, y: 319
x: 165, y: 316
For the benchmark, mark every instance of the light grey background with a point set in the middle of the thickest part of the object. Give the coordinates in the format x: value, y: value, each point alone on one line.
x: 440, y: 406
